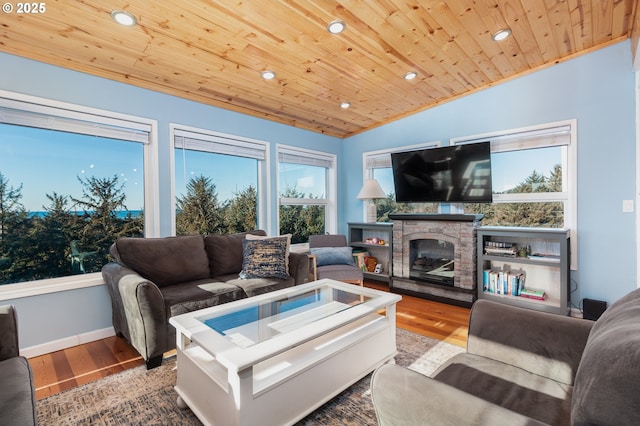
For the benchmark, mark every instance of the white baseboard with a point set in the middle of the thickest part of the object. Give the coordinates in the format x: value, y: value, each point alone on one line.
x: 67, y: 342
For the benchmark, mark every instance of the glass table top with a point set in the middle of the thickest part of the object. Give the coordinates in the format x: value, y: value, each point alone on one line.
x: 265, y: 319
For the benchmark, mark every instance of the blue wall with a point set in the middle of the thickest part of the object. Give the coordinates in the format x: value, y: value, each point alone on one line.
x: 56, y: 316
x: 598, y: 91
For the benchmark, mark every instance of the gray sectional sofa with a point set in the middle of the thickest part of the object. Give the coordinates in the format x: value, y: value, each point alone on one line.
x: 524, y: 367
x: 153, y: 279
x: 17, y: 391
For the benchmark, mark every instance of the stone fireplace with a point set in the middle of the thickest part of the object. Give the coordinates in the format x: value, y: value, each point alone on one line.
x: 434, y: 256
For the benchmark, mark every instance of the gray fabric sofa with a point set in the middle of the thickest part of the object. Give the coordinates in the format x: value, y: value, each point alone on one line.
x: 153, y: 279
x: 524, y: 367
x: 17, y: 391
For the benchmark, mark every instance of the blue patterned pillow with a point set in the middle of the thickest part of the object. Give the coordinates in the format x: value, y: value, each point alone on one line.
x: 332, y: 256
x: 264, y: 258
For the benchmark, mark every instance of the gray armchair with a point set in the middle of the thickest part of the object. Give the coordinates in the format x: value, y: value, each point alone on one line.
x: 333, y: 259
x: 17, y: 392
x: 524, y: 367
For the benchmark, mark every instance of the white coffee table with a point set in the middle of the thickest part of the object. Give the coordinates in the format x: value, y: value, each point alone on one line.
x: 274, y: 358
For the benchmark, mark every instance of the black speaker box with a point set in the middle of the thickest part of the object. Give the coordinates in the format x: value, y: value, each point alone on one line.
x: 592, y: 309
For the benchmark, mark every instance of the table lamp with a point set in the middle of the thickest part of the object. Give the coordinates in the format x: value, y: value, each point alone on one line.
x: 371, y: 190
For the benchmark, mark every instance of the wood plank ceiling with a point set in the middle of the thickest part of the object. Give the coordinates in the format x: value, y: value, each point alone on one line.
x: 214, y: 51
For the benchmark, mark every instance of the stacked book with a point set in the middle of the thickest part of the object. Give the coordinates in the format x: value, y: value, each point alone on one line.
x: 500, y: 249
x: 533, y: 293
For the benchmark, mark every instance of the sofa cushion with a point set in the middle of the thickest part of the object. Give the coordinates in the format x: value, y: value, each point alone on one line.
x: 255, y: 286
x: 511, y: 387
x: 264, y: 258
x: 225, y: 252
x: 194, y: 295
x: 607, y: 382
x: 339, y: 272
x: 164, y: 261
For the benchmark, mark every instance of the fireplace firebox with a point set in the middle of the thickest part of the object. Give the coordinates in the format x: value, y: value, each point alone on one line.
x: 434, y: 256
x: 431, y: 260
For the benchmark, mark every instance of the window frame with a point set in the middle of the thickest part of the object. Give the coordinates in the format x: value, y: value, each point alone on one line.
x: 329, y: 202
x: 560, y: 133
x: 64, y: 114
x: 214, y: 137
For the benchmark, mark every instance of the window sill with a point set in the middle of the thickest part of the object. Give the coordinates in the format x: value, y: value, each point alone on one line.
x: 51, y: 285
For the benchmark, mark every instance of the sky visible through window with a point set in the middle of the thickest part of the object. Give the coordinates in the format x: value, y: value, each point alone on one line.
x: 230, y: 174
x: 309, y: 181
x: 48, y: 161
x: 511, y: 168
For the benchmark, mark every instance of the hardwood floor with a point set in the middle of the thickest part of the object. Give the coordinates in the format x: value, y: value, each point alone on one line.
x: 438, y: 320
x: 61, y: 370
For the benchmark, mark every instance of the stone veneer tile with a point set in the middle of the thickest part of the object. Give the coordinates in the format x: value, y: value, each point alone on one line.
x: 462, y: 234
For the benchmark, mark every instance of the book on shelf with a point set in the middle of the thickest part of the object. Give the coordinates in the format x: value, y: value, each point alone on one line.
x: 498, y: 248
x: 509, y: 252
x: 503, y: 282
x: 359, y: 258
x: 533, y: 293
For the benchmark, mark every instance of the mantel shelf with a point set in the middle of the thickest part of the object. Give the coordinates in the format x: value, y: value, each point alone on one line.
x: 437, y: 217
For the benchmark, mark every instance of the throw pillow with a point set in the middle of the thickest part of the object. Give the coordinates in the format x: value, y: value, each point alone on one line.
x: 264, y: 258
x: 262, y: 237
x: 225, y: 252
x: 332, y: 256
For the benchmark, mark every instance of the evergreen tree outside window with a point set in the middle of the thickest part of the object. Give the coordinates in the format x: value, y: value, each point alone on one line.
x: 306, y: 189
x: 218, y: 182
x: 72, y: 181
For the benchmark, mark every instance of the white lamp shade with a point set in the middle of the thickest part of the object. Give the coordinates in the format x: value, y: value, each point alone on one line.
x: 370, y: 190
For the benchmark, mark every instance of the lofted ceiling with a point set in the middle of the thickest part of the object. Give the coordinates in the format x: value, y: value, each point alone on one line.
x: 213, y: 51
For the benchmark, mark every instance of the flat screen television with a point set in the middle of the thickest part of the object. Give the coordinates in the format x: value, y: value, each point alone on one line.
x: 453, y: 174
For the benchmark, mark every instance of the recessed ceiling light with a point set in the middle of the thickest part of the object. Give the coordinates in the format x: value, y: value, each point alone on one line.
x: 336, y: 27
x: 345, y: 105
x: 501, y: 34
x: 268, y: 75
x: 410, y: 75
x: 124, y: 18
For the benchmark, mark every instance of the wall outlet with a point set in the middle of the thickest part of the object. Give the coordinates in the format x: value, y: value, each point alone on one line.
x: 627, y: 206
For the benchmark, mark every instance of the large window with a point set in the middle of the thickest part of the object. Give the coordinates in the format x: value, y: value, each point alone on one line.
x: 306, y: 187
x: 377, y: 165
x: 218, y: 182
x: 533, y: 175
x: 72, y: 181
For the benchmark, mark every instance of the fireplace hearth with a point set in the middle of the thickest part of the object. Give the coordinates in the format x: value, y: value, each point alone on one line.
x: 434, y: 256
